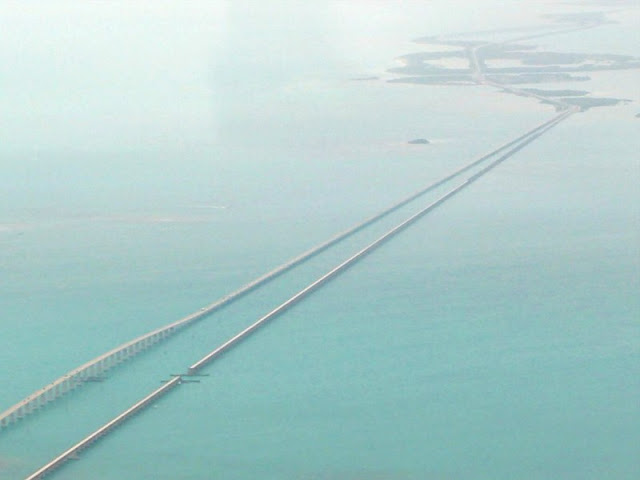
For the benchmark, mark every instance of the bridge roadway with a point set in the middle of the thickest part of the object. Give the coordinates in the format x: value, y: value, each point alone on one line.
x: 197, y: 366
x: 96, y: 367
x: 105, y: 429
x: 208, y: 358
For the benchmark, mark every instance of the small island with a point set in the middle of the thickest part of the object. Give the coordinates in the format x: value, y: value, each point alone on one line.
x: 419, y: 141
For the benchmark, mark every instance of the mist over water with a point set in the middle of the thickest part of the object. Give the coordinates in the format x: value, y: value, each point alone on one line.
x: 156, y: 157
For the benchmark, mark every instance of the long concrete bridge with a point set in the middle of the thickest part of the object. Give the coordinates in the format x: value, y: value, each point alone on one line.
x: 197, y: 366
x: 236, y: 339
x: 104, y: 430
x: 98, y: 366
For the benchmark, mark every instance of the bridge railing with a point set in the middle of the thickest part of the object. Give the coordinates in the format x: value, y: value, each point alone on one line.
x: 92, y: 370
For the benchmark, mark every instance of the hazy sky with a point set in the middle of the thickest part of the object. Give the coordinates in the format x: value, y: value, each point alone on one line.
x: 102, y: 75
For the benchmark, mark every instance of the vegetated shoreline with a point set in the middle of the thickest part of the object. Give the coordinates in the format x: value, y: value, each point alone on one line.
x: 533, y: 66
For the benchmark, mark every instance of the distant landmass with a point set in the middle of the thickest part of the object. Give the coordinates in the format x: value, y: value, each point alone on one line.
x: 465, y: 61
x: 419, y: 141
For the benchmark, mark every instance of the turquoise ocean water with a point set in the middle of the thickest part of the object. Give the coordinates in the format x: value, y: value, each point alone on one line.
x: 498, y: 338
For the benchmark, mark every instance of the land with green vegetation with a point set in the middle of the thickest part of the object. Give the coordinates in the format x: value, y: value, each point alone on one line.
x: 509, y: 63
